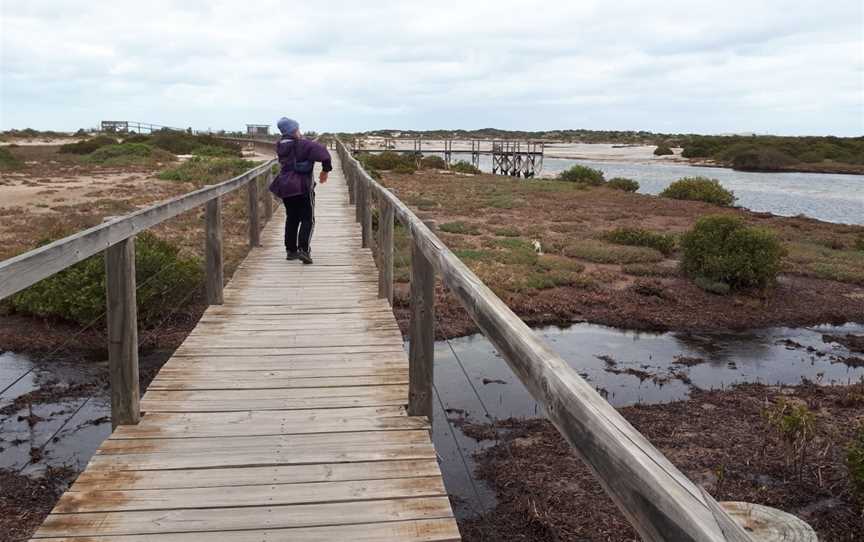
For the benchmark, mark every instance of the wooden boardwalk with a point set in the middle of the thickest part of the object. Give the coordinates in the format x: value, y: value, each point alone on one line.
x: 281, y: 417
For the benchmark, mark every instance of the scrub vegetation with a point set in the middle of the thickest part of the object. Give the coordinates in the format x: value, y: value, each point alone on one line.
x: 77, y: 294
x: 699, y: 189
x: 557, y: 250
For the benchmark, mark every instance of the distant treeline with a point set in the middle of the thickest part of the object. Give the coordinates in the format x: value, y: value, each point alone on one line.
x: 768, y: 153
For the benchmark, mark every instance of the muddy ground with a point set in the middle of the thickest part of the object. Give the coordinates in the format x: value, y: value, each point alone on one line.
x: 722, y: 440
x: 489, y: 221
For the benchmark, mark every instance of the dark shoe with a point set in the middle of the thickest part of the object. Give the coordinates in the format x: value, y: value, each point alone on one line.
x: 292, y: 256
x: 304, y: 257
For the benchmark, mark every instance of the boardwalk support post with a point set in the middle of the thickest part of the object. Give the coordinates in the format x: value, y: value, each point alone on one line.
x: 254, y: 228
x: 421, y: 352
x: 213, y: 251
x: 385, y: 250
x: 349, y: 178
x: 122, y: 332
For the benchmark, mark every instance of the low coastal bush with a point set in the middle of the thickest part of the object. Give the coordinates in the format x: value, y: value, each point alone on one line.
x: 724, y: 249
x: 388, y: 161
x: 663, y: 150
x: 762, y: 159
x: 642, y: 238
x: 9, y: 160
x: 465, y: 167
x: 795, y: 424
x: 699, y: 189
x: 622, y: 183
x: 855, y: 464
x: 126, y: 154
x: 185, y: 143
x: 433, y: 162
x: 213, y: 150
x: 600, y: 252
x: 582, y: 174
x: 203, y: 170
x: 460, y: 228
x: 87, y: 146
x: 77, y: 293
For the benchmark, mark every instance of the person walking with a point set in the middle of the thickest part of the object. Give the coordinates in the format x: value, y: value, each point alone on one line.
x: 295, y: 186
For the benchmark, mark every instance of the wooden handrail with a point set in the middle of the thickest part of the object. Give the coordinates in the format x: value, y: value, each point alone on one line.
x: 29, y: 268
x: 659, y: 501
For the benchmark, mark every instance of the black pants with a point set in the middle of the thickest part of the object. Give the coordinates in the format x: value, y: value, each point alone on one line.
x: 300, y: 215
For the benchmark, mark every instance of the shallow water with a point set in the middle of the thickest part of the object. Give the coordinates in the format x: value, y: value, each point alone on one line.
x: 830, y: 197
x: 64, y: 432
x: 771, y: 356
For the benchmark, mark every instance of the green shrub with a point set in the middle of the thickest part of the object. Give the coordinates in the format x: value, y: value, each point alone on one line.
x: 510, y: 231
x: 699, y: 189
x: 712, y: 286
x: 663, y: 150
x: 622, y: 183
x: 465, y: 167
x: 795, y: 424
x: 433, y: 162
x: 405, y: 169
x: 648, y: 270
x: 859, y: 242
x: 582, y: 174
x: 9, y: 160
x: 642, y: 238
x: 213, y: 150
x: 205, y: 170
x: 762, y: 159
x: 600, y: 252
x: 87, y: 146
x: 855, y: 464
x: 77, y: 293
x: 387, y: 161
x: 185, y: 143
x: 460, y: 228
x: 724, y: 249
x: 127, y: 154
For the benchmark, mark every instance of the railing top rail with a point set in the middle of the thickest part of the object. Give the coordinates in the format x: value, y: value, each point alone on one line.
x: 29, y: 268
x: 658, y: 500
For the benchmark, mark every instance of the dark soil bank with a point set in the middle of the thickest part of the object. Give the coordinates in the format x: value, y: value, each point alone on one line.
x: 720, y: 439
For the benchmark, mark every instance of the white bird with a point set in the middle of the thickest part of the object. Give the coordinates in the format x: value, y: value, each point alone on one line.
x: 537, y: 247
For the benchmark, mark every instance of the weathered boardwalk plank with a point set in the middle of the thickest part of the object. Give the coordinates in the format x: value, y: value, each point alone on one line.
x: 281, y: 417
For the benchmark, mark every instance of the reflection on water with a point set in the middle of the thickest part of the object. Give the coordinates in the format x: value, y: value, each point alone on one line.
x: 57, y: 432
x: 627, y: 367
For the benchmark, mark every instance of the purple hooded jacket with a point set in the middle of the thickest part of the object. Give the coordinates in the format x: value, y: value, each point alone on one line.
x: 289, y: 182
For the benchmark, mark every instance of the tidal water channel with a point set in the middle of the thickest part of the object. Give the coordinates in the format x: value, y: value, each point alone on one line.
x: 627, y: 368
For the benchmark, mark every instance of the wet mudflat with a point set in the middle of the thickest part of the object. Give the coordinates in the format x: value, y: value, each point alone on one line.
x: 658, y: 372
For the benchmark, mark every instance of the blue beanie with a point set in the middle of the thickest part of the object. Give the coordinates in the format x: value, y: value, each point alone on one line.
x: 287, y: 126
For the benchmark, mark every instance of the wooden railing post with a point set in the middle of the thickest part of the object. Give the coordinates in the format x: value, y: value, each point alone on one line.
x: 359, y: 196
x: 350, y: 176
x: 122, y: 317
x: 254, y: 228
x: 421, y: 352
x: 385, y: 250
x: 268, y: 196
x: 366, y: 217
x: 213, y: 251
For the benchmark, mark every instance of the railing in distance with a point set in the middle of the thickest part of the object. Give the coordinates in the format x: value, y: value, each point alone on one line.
x: 659, y: 501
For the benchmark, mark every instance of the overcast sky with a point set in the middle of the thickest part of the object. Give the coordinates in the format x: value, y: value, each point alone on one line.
x: 785, y: 67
